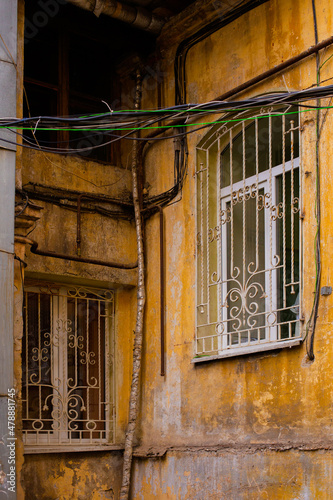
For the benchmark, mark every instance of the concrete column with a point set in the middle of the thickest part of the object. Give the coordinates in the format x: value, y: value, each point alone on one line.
x: 8, y: 75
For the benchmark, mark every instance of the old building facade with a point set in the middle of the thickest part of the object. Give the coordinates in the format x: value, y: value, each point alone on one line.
x: 234, y: 189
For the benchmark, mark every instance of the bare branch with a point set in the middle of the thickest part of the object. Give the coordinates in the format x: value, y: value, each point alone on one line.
x: 141, y: 298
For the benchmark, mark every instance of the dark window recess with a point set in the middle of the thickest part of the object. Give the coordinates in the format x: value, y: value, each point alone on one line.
x: 69, y: 71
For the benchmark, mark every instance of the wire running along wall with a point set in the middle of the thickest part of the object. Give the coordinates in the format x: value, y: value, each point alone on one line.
x: 249, y: 234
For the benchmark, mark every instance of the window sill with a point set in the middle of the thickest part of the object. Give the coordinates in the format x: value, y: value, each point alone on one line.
x: 70, y: 448
x: 230, y: 353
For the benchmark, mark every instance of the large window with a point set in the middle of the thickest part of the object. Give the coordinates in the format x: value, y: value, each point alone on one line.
x: 74, y: 65
x: 248, y: 236
x: 69, y: 70
x: 67, y: 386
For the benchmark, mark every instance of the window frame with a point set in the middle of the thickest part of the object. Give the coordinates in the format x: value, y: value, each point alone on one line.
x: 217, y: 139
x: 63, y: 437
x: 65, y: 97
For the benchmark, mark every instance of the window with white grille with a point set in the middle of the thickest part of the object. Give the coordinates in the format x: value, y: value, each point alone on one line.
x: 67, y: 354
x: 249, y: 235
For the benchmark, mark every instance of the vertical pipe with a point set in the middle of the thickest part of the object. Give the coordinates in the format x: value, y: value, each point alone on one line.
x: 78, y: 230
x: 162, y: 297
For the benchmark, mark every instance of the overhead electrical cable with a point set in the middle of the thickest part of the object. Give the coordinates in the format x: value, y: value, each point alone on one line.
x: 158, y: 123
x: 144, y: 118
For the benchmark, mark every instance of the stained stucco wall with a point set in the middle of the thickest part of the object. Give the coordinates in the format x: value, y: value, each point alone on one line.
x: 236, y: 474
x: 257, y: 426
x: 273, y: 399
x: 77, y: 476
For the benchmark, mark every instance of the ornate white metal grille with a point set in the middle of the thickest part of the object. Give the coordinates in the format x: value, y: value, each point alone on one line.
x: 249, y: 235
x: 68, y: 378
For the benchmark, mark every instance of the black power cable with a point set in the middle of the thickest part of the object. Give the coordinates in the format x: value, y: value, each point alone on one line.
x: 314, y: 314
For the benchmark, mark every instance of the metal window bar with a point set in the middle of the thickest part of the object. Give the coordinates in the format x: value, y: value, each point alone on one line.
x: 249, y: 242
x: 68, y: 369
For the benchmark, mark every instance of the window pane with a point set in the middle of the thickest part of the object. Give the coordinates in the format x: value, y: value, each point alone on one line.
x: 89, y: 66
x: 245, y: 299
x: 41, y: 57
x: 258, y: 148
x: 89, y: 144
x: 42, y: 102
x: 288, y: 235
x: 86, y: 371
x: 36, y: 352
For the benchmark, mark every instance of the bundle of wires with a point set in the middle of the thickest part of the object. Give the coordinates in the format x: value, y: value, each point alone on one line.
x: 154, y: 124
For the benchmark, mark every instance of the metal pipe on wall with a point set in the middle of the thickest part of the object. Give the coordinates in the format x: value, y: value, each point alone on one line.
x: 48, y: 253
x: 136, y: 16
x: 162, y: 296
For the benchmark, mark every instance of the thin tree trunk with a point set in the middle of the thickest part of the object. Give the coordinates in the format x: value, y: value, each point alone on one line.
x: 141, y: 297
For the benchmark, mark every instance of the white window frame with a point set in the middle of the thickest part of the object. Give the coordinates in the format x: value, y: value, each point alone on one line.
x: 216, y: 139
x: 226, y: 195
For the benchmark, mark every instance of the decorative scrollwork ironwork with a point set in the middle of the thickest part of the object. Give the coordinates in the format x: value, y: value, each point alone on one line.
x: 264, y: 201
x: 83, y: 293
x: 225, y: 216
x: 295, y: 205
x: 87, y: 358
x: 214, y: 234
x: 277, y: 211
x: 247, y: 308
x: 248, y: 276
x: 75, y: 341
x: 214, y: 278
x: 221, y: 131
x: 245, y: 193
x: 65, y: 387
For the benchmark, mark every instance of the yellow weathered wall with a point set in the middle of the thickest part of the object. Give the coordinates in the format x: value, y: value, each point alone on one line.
x: 272, y: 399
x: 102, y: 237
x: 255, y: 426
x: 79, y: 476
x: 235, y: 474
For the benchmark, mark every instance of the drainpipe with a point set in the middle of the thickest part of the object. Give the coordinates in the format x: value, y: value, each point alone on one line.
x: 136, y: 16
x: 162, y: 296
x: 8, y: 58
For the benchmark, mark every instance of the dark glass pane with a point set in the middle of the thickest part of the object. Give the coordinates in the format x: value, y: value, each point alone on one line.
x: 89, y: 67
x: 37, y: 367
x: 247, y: 140
x: 88, y: 144
x: 41, y: 57
x: 245, y: 271
x: 288, y: 295
x: 42, y: 102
